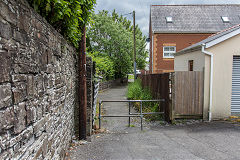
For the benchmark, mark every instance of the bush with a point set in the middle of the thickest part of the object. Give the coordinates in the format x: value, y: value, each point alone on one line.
x: 136, y: 92
x: 104, y: 65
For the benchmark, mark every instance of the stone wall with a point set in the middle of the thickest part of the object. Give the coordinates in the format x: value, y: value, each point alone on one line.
x: 108, y: 84
x: 37, y: 85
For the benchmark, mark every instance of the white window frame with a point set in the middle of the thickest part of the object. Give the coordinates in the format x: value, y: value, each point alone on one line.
x: 168, y: 52
x: 225, y: 19
x: 169, y: 19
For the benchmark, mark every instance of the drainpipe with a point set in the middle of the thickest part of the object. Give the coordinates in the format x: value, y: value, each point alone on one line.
x: 152, y: 53
x: 211, y: 81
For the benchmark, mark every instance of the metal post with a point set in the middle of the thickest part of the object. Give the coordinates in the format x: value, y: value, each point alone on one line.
x: 99, y: 116
x: 141, y: 115
x: 82, y: 87
x: 129, y: 111
x: 134, y: 47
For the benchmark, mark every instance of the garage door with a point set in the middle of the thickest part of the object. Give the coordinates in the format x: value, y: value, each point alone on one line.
x: 235, y: 106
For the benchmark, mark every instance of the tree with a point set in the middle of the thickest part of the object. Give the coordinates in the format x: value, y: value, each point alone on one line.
x: 112, y: 36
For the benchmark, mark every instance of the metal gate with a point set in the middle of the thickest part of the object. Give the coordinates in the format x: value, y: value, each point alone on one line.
x: 129, y: 115
x: 235, y: 101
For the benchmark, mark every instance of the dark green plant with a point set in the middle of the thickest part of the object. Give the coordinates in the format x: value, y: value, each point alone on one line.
x: 66, y: 16
x: 134, y: 90
x: 104, y: 65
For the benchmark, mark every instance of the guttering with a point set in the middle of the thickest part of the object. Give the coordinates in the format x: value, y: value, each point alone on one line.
x: 211, y: 81
x: 190, y: 32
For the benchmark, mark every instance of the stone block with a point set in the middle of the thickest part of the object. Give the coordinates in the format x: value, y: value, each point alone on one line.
x: 39, y: 126
x: 5, y: 66
x: 20, y: 117
x: 21, y: 37
x: 31, y: 112
x: 19, y: 92
x: 19, y: 78
x: 5, y: 30
x: 7, y: 13
x: 24, y: 21
x: 43, y: 61
x: 6, y: 119
x: 30, y: 86
x: 38, y: 85
x: 25, y: 68
x: 5, y: 95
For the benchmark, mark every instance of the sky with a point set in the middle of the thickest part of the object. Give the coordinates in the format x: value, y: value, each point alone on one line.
x: 142, y: 8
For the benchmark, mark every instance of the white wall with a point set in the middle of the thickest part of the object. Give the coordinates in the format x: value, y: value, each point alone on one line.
x: 181, y: 61
x: 222, y: 75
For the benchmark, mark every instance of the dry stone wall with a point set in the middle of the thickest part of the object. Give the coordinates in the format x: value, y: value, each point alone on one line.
x: 37, y: 85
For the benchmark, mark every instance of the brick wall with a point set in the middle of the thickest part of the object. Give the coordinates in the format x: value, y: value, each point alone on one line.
x: 181, y: 41
x: 37, y: 85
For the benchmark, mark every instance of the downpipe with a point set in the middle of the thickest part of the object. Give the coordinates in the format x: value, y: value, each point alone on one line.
x: 211, y: 82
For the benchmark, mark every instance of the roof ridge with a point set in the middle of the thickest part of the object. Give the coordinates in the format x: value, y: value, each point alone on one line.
x: 194, y: 4
x: 225, y: 30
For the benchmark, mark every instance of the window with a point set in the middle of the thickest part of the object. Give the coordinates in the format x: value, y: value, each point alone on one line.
x: 190, y: 65
x: 169, y: 19
x: 168, y: 51
x: 225, y: 19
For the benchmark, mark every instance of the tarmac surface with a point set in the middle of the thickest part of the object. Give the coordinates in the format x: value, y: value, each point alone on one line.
x: 217, y: 140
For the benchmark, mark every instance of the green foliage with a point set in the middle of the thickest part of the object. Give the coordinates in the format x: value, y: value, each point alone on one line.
x: 66, y: 16
x: 104, y: 65
x: 112, y: 35
x: 136, y: 92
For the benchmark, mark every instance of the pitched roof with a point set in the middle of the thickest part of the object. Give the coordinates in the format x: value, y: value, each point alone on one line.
x: 224, y: 34
x: 193, y: 18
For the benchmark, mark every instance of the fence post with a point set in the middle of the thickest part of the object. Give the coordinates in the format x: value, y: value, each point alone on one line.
x: 172, y: 96
x: 129, y: 110
x: 99, y: 116
x: 141, y: 115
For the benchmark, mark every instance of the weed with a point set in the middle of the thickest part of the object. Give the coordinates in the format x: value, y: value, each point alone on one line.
x: 132, y: 125
x: 136, y: 92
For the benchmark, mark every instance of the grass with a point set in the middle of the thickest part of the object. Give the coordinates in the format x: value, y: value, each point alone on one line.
x: 136, y: 92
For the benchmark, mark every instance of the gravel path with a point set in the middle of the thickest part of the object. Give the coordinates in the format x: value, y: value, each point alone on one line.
x: 197, y: 141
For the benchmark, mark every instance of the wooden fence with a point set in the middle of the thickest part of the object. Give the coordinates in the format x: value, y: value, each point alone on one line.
x: 182, y: 91
x: 159, y: 87
x: 187, y: 94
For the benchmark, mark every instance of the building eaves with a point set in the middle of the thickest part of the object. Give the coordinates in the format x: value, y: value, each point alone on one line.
x: 211, y: 38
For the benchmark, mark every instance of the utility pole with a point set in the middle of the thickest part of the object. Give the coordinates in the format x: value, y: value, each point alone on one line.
x: 134, y: 47
x: 82, y: 87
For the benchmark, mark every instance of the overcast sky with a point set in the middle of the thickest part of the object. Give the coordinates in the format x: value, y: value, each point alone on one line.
x: 142, y: 7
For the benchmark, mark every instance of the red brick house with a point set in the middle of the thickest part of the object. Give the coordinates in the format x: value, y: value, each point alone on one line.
x: 175, y: 27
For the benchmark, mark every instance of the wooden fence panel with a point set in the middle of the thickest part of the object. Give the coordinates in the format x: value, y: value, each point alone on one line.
x: 159, y: 87
x: 188, y: 94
